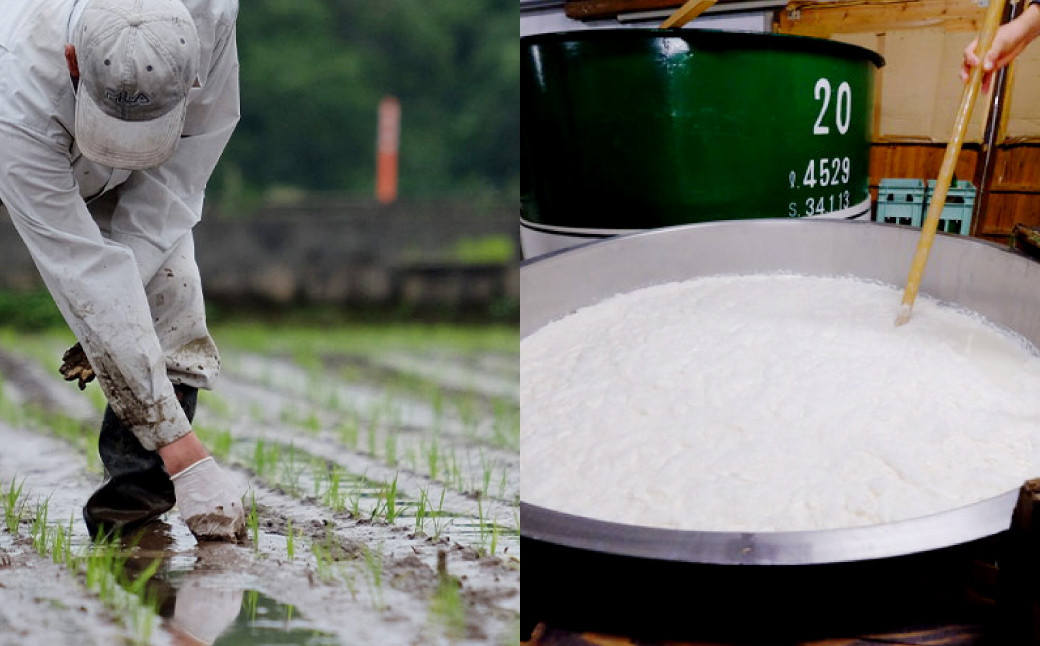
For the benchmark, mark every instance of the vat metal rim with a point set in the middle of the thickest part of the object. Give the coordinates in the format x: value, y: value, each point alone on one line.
x: 905, y: 537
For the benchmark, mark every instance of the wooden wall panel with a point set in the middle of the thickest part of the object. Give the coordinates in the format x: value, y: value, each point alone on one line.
x: 920, y: 161
x: 1017, y: 168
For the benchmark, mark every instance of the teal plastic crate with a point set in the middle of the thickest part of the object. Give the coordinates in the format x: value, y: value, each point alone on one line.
x: 956, y: 213
x: 900, y: 201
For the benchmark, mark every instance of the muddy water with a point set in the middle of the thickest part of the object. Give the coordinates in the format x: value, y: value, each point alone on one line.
x: 351, y: 579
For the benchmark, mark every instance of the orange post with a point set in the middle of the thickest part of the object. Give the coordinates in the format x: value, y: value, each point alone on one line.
x: 389, y: 137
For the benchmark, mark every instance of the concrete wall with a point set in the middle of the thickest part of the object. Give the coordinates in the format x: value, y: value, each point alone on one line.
x: 334, y: 252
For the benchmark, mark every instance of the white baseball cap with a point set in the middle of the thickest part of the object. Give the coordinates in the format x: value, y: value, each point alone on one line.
x: 137, y: 61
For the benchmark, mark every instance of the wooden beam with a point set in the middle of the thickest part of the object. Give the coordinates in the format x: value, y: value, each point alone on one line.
x: 595, y: 9
x: 823, y: 19
x: 599, y: 9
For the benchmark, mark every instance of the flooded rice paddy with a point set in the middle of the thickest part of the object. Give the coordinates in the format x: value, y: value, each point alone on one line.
x: 381, y: 466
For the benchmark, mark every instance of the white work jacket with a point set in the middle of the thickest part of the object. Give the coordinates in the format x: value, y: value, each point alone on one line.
x: 96, y: 269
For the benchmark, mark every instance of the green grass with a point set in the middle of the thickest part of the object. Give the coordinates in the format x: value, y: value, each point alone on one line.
x: 33, y: 310
x: 490, y: 249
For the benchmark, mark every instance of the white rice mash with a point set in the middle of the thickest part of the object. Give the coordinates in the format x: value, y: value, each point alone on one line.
x: 773, y: 402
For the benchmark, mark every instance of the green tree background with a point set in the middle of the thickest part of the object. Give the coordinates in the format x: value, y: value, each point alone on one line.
x: 312, y: 76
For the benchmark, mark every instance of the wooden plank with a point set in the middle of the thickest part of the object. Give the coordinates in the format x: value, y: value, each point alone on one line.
x: 1005, y: 210
x: 596, y: 9
x: 824, y: 19
x: 1017, y: 165
x: 919, y: 161
x: 599, y: 9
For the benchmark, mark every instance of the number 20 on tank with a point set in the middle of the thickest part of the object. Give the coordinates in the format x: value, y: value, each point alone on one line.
x: 834, y: 115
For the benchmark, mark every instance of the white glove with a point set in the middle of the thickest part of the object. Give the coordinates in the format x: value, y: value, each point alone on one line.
x: 210, y: 504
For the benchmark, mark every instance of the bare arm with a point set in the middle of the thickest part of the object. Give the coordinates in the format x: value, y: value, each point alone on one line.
x: 1009, y: 42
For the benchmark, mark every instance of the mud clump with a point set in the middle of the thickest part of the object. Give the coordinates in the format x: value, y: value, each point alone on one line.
x: 214, y: 527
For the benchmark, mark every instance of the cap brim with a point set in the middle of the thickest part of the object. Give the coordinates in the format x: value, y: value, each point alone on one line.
x: 133, y: 145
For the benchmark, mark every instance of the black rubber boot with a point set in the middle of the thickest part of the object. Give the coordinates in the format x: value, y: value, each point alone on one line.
x: 138, y: 488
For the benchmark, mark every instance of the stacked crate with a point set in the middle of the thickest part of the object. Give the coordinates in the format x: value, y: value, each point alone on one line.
x: 905, y: 201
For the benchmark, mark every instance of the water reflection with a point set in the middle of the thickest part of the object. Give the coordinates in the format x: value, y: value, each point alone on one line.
x: 198, y: 606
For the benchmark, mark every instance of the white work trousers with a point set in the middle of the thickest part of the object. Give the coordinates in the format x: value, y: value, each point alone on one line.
x: 138, y: 314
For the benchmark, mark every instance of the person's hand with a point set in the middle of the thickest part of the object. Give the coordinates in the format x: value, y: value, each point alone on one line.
x: 1009, y: 41
x: 210, y: 504
x: 74, y: 365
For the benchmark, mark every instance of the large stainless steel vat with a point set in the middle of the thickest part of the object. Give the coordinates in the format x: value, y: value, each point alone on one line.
x: 594, y: 575
x: 1002, y: 285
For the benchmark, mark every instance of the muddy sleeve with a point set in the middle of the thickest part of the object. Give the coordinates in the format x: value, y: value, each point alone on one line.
x: 158, y: 206
x: 94, y: 282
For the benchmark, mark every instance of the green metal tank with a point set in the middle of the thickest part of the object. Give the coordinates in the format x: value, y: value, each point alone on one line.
x: 633, y: 129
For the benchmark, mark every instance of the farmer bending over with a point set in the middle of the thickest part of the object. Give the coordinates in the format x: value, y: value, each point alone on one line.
x: 113, y: 114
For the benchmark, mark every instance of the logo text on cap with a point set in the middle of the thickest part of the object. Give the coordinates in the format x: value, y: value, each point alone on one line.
x: 124, y: 98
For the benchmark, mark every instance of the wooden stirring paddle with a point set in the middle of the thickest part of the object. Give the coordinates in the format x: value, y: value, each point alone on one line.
x: 687, y: 12
x: 953, y: 149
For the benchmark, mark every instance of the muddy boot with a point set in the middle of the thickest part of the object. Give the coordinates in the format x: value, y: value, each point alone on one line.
x: 138, y: 489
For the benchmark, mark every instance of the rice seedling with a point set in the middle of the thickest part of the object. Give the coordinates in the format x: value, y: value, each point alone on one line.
x: 350, y: 579
x: 433, y: 458
x: 486, y: 466
x: 420, y: 511
x: 14, y: 504
x: 319, y: 473
x: 322, y: 561
x: 355, y: 500
x: 438, y: 516
x: 390, y: 448
x: 39, y: 530
x: 505, y: 426
x: 250, y: 602
x: 468, y: 410
x: 127, y: 596
x: 312, y: 423
x: 503, y: 483
x: 454, y: 472
x: 333, y: 498
x: 390, y: 493
x: 437, y: 404
x: 447, y: 610
x: 291, y: 473
x: 348, y: 430
x: 290, y: 546
x: 57, y: 547
x: 253, y: 522
x: 265, y: 460
x: 332, y: 400
x: 374, y: 564
x: 70, y: 559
